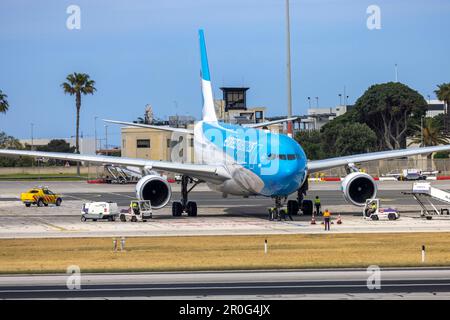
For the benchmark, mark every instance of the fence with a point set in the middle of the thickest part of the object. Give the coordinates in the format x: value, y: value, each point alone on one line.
x: 381, y: 167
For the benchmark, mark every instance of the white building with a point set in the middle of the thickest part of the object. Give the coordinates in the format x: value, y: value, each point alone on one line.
x: 87, y: 145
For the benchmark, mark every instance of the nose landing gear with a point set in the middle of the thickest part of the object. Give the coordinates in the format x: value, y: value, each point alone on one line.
x: 190, y: 207
x: 278, y: 213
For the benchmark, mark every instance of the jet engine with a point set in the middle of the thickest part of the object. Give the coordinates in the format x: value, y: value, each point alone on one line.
x: 358, y: 187
x: 154, y: 188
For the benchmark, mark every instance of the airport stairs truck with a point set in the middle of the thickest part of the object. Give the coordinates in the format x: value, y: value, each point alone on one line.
x: 422, y: 191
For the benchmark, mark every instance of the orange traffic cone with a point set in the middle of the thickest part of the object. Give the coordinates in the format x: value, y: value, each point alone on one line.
x: 313, y: 220
x: 339, y: 220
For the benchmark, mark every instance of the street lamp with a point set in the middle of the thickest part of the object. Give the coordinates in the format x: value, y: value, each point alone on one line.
x: 95, y: 133
x: 340, y: 99
x: 309, y: 102
x: 106, y: 139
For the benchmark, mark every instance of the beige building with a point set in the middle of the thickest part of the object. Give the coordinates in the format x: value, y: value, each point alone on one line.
x: 156, y: 145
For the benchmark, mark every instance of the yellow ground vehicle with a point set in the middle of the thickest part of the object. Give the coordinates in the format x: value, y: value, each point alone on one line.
x: 40, y: 196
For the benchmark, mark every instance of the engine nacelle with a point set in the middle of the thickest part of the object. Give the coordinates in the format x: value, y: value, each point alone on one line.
x: 358, y: 187
x: 154, y: 188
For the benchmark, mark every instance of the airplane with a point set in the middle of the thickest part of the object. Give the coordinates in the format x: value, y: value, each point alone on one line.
x: 243, y: 160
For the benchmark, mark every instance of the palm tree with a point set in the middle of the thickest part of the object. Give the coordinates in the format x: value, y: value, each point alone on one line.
x: 3, y: 102
x: 78, y: 84
x: 430, y: 134
x: 443, y: 94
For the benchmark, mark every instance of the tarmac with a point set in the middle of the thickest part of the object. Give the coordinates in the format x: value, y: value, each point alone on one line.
x: 216, y: 216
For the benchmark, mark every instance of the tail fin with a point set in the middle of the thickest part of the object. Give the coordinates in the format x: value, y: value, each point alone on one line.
x: 209, y: 113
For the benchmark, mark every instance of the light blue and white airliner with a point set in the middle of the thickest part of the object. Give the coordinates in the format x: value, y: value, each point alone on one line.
x: 239, y: 160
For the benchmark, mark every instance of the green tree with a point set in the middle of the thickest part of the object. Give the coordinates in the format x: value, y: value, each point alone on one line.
x: 430, y: 134
x: 78, y: 84
x: 390, y: 109
x: 4, y: 106
x: 311, y: 142
x: 341, y: 139
x: 443, y: 93
x: 9, y: 142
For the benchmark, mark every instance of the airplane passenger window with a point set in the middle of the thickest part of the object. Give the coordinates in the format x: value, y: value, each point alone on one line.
x: 282, y: 157
x: 291, y: 156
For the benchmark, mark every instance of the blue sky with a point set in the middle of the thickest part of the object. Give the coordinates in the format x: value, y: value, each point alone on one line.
x: 145, y: 51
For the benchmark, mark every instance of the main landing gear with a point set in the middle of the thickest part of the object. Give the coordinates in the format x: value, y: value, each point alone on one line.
x: 190, y: 207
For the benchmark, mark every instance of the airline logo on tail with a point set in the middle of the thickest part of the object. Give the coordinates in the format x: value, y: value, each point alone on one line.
x: 209, y: 113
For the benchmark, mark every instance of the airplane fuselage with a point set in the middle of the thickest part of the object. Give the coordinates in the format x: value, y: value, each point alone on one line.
x: 260, y: 162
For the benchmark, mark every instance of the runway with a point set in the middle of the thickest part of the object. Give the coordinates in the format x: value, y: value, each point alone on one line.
x: 294, y: 284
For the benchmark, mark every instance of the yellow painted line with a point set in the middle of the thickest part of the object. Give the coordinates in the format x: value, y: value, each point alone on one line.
x: 52, y: 225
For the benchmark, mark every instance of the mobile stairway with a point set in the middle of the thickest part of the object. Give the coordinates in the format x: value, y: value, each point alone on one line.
x: 122, y: 175
x: 423, y: 192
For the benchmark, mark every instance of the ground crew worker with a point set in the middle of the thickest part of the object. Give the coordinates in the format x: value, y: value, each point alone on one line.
x: 327, y: 218
x: 317, y: 205
x: 372, y: 209
x: 135, y: 208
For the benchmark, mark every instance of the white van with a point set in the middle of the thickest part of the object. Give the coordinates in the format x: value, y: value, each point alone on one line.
x: 99, y: 210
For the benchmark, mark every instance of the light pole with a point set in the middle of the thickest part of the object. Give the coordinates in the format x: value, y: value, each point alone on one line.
x: 421, y: 131
x: 32, y: 142
x: 340, y: 99
x: 288, y: 69
x: 396, y: 73
x: 309, y: 102
x: 106, y: 139
x: 95, y: 133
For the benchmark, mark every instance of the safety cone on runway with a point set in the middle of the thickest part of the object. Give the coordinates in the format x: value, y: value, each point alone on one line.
x: 339, y: 220
x: 313, y: 220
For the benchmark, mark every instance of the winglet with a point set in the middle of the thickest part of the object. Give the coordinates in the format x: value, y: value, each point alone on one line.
x: 209, y: 113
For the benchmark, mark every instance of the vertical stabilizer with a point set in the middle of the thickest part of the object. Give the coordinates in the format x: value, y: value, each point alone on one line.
x: 209, y: 113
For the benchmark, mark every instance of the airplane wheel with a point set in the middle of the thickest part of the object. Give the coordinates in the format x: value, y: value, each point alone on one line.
x: 177, y: 209
x: 307, y: 207
x: 191, y: 209
x: 292, y: 207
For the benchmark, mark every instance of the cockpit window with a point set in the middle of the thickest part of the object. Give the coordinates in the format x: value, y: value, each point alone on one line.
x: 272, y: 156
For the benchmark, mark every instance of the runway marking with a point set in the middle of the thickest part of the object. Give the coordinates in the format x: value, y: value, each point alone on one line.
x: 52, y: 225
x: 223, y: 288
x: 122, y: 195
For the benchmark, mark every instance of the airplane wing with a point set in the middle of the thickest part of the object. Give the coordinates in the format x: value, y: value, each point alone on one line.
x: 268, y: 123
x: 142, y: 125
x: 318, y: 165
x: 204, y: 172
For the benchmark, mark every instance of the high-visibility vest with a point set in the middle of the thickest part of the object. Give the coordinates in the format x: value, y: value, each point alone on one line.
x: 327, y: 214
x: 317, y: 201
